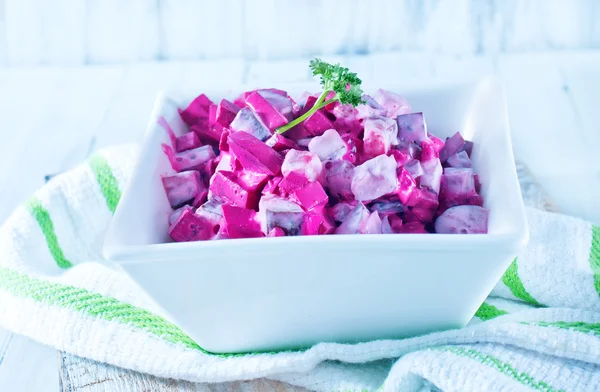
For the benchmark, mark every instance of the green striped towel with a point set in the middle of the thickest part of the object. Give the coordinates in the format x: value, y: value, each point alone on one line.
x: 540, y: 329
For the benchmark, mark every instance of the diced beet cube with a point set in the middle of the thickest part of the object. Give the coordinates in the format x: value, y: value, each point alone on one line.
x: 310, y: 196
x: 223, y: 140
x: 374, y: 178
x: 226, y: 112
x: 276, y: 232
x: 190, y: 159
x: 370, y: 108
x: 432, y: 174
x: 413, y: 166
x: 468, y: 147
x: 457, y: 183
x: 423, y: 198
x: 401, y: 157
x: 412, y: 127
x: 463, y: 220
x: 414, y: 227
x: 328, y: 146
x: 406, y: 185
x: 190, y: 227
x: 246, y: 121
x: 428, y: 151
x: 183, y: 187
x: 226, y: 189
x: 340, y: 211
x: 346, y: 118
x: 226, y: 163
x: 315, y: 223
x: 298, y: 132
x: 272, y: 186
x: 317, y: 123
x: 453, y: 145
x: 371, y: 225
x: 275, y: 211
x: 381, y: 133
x: 208, y: 135
x: 291, y: 182
x: 394, y: 104
x: 187, y: 141
x: 304, y: 163
x: 278, y: 142
x: 175, y: 213
x: 280, y: 101
x: 438, y: 143
x: 272, y: 90
x: 354, y: 146
x: 197, y: 111
x: 387, y: 207
x: 241, y: 222
x: 410, y: 149
x: 338, y: 179
x: 460, y: 159
x: 212, y: 114
x: 354, y: 220
x: 477, y: 183
x: 252, y: 181
x: 258, y: 153
x: 212, y: 211
x: 268, y: 114
x: 200, y: 198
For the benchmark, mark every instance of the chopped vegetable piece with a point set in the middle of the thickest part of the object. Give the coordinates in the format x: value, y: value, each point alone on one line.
x: 187, y: 141
x: 240, y: 223
x: 460, y: 159
x: 226, y: 112
x: 246, y: 121
x: 329, y: 146
x: 190, y: 227
x: 197, y: 111
x: 225, y: 188
x: 354, y: 220
x: 453, y: 145
x: 183, y: 187
x: 463, y: 220
x: 275, y: 211
x: 412, y: 127
x: 305, y: 163
x: 381, y: 133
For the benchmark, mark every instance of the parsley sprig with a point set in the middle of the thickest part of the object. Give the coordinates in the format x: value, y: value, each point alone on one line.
x: 334, y: 78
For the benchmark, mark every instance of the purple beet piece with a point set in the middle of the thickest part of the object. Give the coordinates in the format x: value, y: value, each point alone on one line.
x: 268, y: 114
x: 310, y: 196
x: 240, y: 223
x: 278, y: 142
x: 275, y: 211
x: 226, y: 189
x: 453, y: 145
x: 412, y: 127
x: 187, y: 141
x: 190, y: 159
x: 252, y: 152
x: 317, y: 123
x: 175, y: 213
x: 183, y: 187
x: 247, y: 121
x: 197, y: 111
x: 463, y: 220
x: 457, y: 183
x: 477, y: 183
x: 338, y: 179
x: 190, y: 227
x: 226, y: 112
x: 413, y: 167
x: 468, y: 147
x: 460, y: 159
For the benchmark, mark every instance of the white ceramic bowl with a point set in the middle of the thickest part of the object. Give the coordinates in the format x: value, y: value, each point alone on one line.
x: 290, y: 292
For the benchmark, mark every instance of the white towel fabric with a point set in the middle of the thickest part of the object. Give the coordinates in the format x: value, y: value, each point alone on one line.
x: 540, y: 329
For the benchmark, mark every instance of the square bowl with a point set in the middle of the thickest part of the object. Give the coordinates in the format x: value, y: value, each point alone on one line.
x: 248, y: 295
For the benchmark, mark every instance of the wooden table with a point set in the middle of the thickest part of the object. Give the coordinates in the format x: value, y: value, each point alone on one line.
x: 50, y: 119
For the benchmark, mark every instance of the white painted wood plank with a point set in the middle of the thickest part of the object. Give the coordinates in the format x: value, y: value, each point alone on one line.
x: 27, y: 366
x: 122, y: 31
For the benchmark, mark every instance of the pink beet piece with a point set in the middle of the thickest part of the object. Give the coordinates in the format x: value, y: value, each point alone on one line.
x: 310, y: 196
x: 183, y: 187
x: 276, y: 232
x: 252, y: 181
x: 190, y: 159
x: 305, y: 163
x: 212, y: 114
x: 275, y: 211
x: 292, y: 182
x: 381, y: 133
x: 175, y: 213
x: 432, y: 174
x: 328, y: 146
x: 272, y: 186
x: 394, y: 104
x: 226, y: 163
x: 412, y: 127
x: 428, y: 150
x: 197, y: 111
x: 371, y: 225
x: 208, y: 134
x: 280, y: 101
x: 438, y: 143
x: 268, y: 114
x: 424, y: 203
x: 463, y: 220
x: 226, y: 112
x: 401, y: 157
x: 460, y: 159
x: 354, y: 220
x: 354, y: 146
x: 190, y: 227
x: 251, y: 152
x: 346, y: 119
x: 338, y: 179
x: 406, y: 185
x: 278, y: 142
x: 453, y: 145
x: 317, y: 123
x: 226, y: 189
x: 374, y: 178
x: 316, y: 223
x: 240, y: 222
x: 247, y: 121
x: 187, y: 141
x: 457, y: 183
x: 370, y: 108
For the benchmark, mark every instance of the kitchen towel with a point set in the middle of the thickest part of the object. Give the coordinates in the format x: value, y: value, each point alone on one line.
x: 539, y: 329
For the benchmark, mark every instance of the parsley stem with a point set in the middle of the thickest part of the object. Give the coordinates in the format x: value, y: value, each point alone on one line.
x: 318, y: 105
